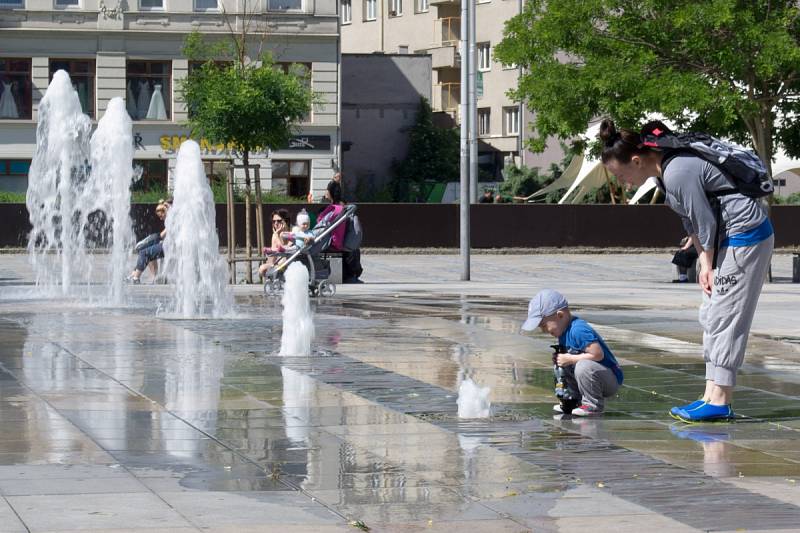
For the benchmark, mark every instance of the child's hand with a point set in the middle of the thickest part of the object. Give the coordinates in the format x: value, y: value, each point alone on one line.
x: 565, y: 359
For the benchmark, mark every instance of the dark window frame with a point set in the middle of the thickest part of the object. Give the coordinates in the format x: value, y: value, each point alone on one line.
x: 148, y: 74
x: 90, y: 74
x: 148, y: 178
x: 297, y: 185
x: 24, y: 96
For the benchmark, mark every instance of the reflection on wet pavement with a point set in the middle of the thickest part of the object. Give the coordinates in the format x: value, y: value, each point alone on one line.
x: 201, y: 423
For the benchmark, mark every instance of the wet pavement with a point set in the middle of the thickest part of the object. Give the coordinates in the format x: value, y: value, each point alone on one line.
x: 119, y: 419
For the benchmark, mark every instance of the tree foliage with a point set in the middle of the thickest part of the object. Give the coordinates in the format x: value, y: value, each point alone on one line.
x: 251, y: 105
x: 433, y: 156
x: 729, y: 67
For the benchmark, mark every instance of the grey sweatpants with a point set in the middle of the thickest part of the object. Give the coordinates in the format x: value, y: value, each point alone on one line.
x: 726, y: 315
x: 594, y: 381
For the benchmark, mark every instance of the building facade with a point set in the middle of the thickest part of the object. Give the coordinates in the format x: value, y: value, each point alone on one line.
x: 434, y: 27
x: 133, y: 50
x: 380, y: 99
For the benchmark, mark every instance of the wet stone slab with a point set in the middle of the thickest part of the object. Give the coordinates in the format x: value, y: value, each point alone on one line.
x: 106, y: 411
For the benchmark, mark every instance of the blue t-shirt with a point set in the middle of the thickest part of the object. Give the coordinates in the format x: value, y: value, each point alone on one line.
x: 579, y: 334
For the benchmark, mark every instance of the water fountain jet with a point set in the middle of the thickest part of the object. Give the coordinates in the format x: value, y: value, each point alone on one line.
x: 58, y: 198
x: 191, y: 247
x: 298, y: 326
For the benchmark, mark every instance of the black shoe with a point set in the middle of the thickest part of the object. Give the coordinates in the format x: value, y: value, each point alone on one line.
x: 680, y: 281
x: 352, y: 280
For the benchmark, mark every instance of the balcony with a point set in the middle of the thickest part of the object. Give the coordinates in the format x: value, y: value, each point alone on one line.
x: 447, y: 97
x: 446, y: 31
x: 446, y: 37
x: 445, y: 2
x: 445, y: 57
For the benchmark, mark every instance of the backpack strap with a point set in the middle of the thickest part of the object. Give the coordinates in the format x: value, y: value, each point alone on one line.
x: 713, y: 196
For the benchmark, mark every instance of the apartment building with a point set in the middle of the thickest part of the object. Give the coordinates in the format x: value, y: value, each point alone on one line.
x: 434, y: 27
x: 132, y: 49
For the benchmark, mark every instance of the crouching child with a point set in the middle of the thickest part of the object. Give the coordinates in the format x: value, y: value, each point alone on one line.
x: 590, y: 367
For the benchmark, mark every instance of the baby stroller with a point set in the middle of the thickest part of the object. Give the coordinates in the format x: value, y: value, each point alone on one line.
x: 328, y: 237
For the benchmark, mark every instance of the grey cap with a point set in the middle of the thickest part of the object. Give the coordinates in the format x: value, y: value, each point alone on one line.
x: 545, y: 303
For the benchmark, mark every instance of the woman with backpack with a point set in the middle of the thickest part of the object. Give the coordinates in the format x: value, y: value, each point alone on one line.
x: 730, y: 230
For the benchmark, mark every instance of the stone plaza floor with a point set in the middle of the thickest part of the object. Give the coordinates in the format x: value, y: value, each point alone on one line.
x: 122, y: 420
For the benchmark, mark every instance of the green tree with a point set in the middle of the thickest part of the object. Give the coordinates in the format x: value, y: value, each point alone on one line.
x: 728, y: 67
x: 433, y: 156
x: 251, y: 105
x: 245, y: 103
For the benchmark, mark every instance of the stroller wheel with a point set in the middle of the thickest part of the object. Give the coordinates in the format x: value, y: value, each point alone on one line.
x: 273, y: 287
x: 327, y: 289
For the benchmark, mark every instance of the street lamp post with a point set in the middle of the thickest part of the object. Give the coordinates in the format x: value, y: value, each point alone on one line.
x: 465, y: 152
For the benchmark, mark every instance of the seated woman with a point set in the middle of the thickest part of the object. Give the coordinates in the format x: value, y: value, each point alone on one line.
x: 148, y: 255
x: 280, y: 224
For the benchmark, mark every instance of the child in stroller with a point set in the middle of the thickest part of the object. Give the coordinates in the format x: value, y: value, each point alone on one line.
x: 327, y: 236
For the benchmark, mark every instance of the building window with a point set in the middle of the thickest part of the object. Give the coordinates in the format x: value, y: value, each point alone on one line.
x: 779, y: 182
x: 217, y: 170
x: 12, y: 3
x: 155, y: 5
x: 484, y: 56
x: 15, y: 89
x: 423, y: 6
x: 395, y: 8
x: 205, y: 5
x: 402, y: 49
x: 284, y: 5
x: 14, y: 174
x: 484, y: 121
x: 68, y: 3
x: 511, y: 115
x: 291, y: 177
x: 152, y: 175
x: 347, y: 11
x: 370, y: 9
x: 82, y: 74
x: 302, y: 71
x: 148, y: 91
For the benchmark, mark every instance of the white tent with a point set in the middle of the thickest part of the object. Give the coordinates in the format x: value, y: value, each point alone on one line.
x: 565, y: 179
x: 592, y: 175
x: 783, y: 163
x: 645, y: 188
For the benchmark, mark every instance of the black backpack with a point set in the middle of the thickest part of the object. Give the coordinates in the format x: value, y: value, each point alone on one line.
x: 745, y: 170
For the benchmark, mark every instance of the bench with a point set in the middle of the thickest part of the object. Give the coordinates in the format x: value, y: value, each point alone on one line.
x: 335, y: 259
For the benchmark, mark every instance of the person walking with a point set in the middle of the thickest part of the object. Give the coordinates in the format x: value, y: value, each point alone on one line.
x: 333, y: 193
x: 734, y: 244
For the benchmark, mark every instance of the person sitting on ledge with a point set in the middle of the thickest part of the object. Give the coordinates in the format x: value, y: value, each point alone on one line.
x: 151, y: 249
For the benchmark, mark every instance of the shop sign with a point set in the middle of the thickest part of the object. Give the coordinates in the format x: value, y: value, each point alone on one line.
x: 309, y: 142
x: 169, y: 144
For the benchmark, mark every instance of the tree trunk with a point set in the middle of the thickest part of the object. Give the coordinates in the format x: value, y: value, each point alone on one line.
x: 247, y: 215
x: 761, y: 127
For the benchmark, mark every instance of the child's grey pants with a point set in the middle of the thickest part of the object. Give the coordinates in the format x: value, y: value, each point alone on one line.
x: 726, y: 315
x: 594, y: 381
